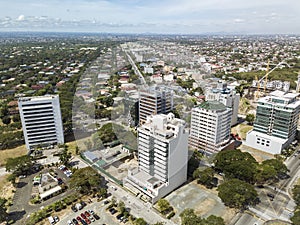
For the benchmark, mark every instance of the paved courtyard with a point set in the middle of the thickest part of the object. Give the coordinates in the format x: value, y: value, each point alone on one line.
x: 205, y: 202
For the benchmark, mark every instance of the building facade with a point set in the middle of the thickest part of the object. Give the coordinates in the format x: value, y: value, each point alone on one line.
x: 276, y: 121
x: 155, y: 100
x: 163, y: 157
x: 41, y: 121
x: 210, y: 127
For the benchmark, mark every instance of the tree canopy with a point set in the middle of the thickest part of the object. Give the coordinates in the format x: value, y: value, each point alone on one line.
x: 140, y: 221
x: 237, y: 164
x: 188, y: 217
x: 237, y: 194
x: 86, y: 180
x: 19, y: 165
x: 205, y: 177
x: 163, y: 205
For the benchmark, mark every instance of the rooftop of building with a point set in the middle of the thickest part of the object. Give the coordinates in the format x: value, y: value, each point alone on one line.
x: 37, y: 98
x: 282, y: 94
x: 212, y: 105
x: 281, y: 98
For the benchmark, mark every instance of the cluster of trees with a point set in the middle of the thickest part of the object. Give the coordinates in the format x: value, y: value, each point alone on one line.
x: 112, y: 132
x: 242, y: 165
x: 187, y: 84
x: 87, y: 181
x: 241, y: 172
x: 296, y: 195
x: 188, y: 217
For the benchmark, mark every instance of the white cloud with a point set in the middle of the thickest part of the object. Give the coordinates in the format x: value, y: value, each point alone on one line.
x: 21, y: 18
x: 238, y: 20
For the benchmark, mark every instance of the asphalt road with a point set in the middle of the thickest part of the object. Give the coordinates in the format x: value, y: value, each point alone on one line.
x: 248, y: 219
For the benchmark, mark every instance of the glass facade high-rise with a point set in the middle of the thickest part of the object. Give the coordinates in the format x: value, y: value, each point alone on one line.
x: 276, y: 121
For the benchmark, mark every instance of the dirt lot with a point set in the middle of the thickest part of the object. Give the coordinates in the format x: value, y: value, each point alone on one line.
x: 205, y: 202
x: 6, y: 188
x: 11, y: 153
x: 258, y: 155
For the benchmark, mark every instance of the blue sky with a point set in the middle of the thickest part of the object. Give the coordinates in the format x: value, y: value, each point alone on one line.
x: 154, y: 16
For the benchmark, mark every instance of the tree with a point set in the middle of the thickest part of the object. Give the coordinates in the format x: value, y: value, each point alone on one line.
x: 250, y: 118
x: 265, y: 173
x: 12, y: 178
x: 102, y: 193
x: 6, y: 120
x: 296, y: 218
x: 236, y: 164
x: 205, y: 177
x: 163, y: 205
x: 3, y: 209
x: 20, y: 165
x: 86, y: 180
x: 121, y: 207
x: 65, y: 156
x: 296, y: 194
x: 140, y: 221
x: 16, y: 118
x: 188, y: 217
x: 159, y: 223
x: 237, y: 194
x: 277, y: 164
x: 214, y: 220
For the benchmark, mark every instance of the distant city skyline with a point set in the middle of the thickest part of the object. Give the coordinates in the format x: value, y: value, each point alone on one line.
x: 165, y: 16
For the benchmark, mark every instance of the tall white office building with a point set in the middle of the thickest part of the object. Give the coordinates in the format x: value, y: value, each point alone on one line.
x: 210, y: 127
x: 228, y: 97
x: 276, y: 121
x: 41, y: 120
x: 163, y: 157
x: 154, y: 100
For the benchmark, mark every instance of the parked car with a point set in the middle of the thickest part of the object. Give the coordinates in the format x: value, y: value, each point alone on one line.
x: 87, y: 213
x: 82, y: 216
x: 60, y: 181
x: 96, y: 217
x: 91, y: 218
x: 87, y: 220
x: 91, y: 211
x: 74, y: 209
x: 75, y: 221
x: 56, y: 219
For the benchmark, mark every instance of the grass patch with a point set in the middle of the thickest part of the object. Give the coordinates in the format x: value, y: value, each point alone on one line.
x: 244, y: 130
x: 12, y: 153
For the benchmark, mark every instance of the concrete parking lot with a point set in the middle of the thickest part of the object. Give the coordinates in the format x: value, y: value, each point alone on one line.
x: 205, y: 202
x: 98, y: 207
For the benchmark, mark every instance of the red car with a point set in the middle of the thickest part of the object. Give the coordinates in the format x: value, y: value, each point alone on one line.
x: 83, y: 216
x: 79, y: 218
x: 87, y: 220
x: 87, y: 213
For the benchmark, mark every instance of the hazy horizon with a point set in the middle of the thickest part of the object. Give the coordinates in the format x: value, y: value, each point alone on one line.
x: 157, y: 17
